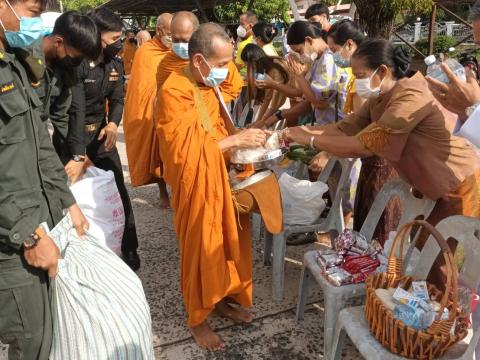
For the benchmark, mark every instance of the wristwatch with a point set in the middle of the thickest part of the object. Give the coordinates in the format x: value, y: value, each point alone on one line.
x: 279, y: 114
x: 78, y: 158
x: 34, y: 238
x: 469, y: 110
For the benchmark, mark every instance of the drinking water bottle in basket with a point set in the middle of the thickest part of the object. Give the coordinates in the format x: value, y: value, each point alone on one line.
x: 435, y: 71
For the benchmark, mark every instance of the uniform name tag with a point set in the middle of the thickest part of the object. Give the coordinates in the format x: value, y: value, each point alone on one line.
x: 6, y: 88
x: 113, y: 76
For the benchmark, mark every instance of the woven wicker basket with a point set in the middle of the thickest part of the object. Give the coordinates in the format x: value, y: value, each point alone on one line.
x: 394, y: 334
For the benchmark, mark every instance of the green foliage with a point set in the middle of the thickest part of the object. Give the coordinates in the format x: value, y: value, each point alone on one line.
x: 441, y: 44
x: 266, y: 10
x: 82, y: 5
x: 378, y: 16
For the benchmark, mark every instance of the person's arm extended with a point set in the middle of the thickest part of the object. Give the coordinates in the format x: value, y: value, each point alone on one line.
x: 262, y: 113
x: 287, y: 90
x: 338, y: 145
x: 250, y: 138
x: 308, y: 93
x: 275, y: 84
x: 329, y: 129
x: 291, y: 115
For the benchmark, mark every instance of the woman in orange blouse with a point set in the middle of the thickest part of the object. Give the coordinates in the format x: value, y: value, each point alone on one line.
x: 344, y: 37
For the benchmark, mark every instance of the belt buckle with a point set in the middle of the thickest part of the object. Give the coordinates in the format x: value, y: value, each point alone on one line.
x: 91, y: 127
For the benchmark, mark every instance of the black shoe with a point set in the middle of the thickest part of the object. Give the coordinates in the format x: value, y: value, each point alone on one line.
x: 132, y: 259
x: 301, y: 239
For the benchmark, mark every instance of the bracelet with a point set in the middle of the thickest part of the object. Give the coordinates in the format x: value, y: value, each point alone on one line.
x: 312, y: 140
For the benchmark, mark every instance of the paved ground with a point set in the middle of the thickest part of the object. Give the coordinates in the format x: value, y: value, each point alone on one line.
x: 274, y: 334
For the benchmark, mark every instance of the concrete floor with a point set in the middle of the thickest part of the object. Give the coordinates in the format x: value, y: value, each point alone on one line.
x: 274, y: 334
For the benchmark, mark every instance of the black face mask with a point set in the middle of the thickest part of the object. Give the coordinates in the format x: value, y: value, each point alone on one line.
x: 68, y: 62
x: 113, y: 49
x: 133, y: 41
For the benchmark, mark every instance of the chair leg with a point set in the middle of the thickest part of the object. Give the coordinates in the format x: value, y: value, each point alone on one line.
x: 333, y: 305
x: 256, y: 226
x: 337, y: 343
x: 279, y: 248
x: 302, y: 293
x: 267, y: 251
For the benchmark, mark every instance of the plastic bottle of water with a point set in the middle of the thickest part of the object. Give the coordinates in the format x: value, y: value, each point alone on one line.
x: 435, y: 71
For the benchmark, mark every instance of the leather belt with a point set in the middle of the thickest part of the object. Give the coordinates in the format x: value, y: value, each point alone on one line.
x: 90, y: 128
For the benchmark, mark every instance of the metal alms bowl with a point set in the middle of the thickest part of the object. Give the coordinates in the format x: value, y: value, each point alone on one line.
x: 266, y: 161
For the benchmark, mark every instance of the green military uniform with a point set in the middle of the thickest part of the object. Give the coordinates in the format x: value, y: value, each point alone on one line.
x: 33, y: 189
x: 56, y: 95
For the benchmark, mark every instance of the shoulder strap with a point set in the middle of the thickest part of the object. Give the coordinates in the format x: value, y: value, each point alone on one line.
x: 200, y: 104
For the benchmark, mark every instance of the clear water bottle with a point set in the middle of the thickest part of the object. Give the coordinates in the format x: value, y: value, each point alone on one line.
x: 435, y: 71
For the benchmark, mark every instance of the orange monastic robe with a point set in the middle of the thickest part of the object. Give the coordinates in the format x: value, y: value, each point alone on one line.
x: 127, y: 54
x: 215, y: 255
x: 231, y: 87
x: 138, y: 117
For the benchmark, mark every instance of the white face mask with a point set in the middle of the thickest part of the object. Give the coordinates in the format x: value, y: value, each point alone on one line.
x: 306, y: 57
x: 241, y: 31
x: 364, y: 88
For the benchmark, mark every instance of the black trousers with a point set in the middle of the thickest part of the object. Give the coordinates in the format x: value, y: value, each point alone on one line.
x: 110, y: 160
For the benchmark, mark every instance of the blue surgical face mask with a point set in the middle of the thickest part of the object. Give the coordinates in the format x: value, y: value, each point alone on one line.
x: 215, y: 77
x: 180, y: 49
x: 31, y: 29
x: 340, y: 61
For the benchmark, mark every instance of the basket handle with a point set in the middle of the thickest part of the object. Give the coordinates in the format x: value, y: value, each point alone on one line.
x: 452, y: 272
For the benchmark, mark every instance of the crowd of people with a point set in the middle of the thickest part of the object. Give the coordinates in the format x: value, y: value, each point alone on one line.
x: 180, y: 93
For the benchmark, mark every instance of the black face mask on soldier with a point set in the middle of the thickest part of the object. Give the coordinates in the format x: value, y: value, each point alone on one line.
x: 133, y: 41
x: 113, y: 49
x: 68, y: 63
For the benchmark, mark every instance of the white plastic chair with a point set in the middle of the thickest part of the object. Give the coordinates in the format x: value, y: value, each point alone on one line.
x: 333, y: 221
x: 352, y: 320
x: 337, y: 297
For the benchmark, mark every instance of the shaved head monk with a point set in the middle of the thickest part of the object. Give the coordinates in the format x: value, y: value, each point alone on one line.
x: 184, y: 24
x: 138, y: 119
x: 142, y: 37
x: 215, y: 252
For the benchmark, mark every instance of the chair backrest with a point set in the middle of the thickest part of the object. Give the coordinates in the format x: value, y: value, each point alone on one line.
x: 466, y: 230
x: 334, y: 218
x: 413, y: 207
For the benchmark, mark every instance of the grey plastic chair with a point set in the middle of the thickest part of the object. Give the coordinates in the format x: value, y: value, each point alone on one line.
x: 334, y: 221
x: 337, y: 297
x: 352, y: 321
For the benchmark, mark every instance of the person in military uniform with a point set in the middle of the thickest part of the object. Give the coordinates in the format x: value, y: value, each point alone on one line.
x: 33, y: 187
x: 100, y: 85
x: 74, y: 38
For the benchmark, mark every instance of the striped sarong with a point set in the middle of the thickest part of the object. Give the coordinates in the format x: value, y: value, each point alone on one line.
x: 99, y: 308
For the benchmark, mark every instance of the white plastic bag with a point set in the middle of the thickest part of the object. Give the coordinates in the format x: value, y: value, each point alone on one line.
x: 98, y: 197
x: 99, y: 309
x: 301, y: 199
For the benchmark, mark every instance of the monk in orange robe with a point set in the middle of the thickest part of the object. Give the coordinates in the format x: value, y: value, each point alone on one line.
x: 128, y: 51
x: 183, y: 26
x: 138, y: 119
x: 215, y: 252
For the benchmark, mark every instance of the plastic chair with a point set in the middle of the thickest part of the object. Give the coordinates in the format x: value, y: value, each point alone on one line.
x: 352, y: 320
x: 334, y: 220
x: 337, y: 297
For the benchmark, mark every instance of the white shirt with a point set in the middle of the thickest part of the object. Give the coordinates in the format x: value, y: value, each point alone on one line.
x: 470, y: 129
